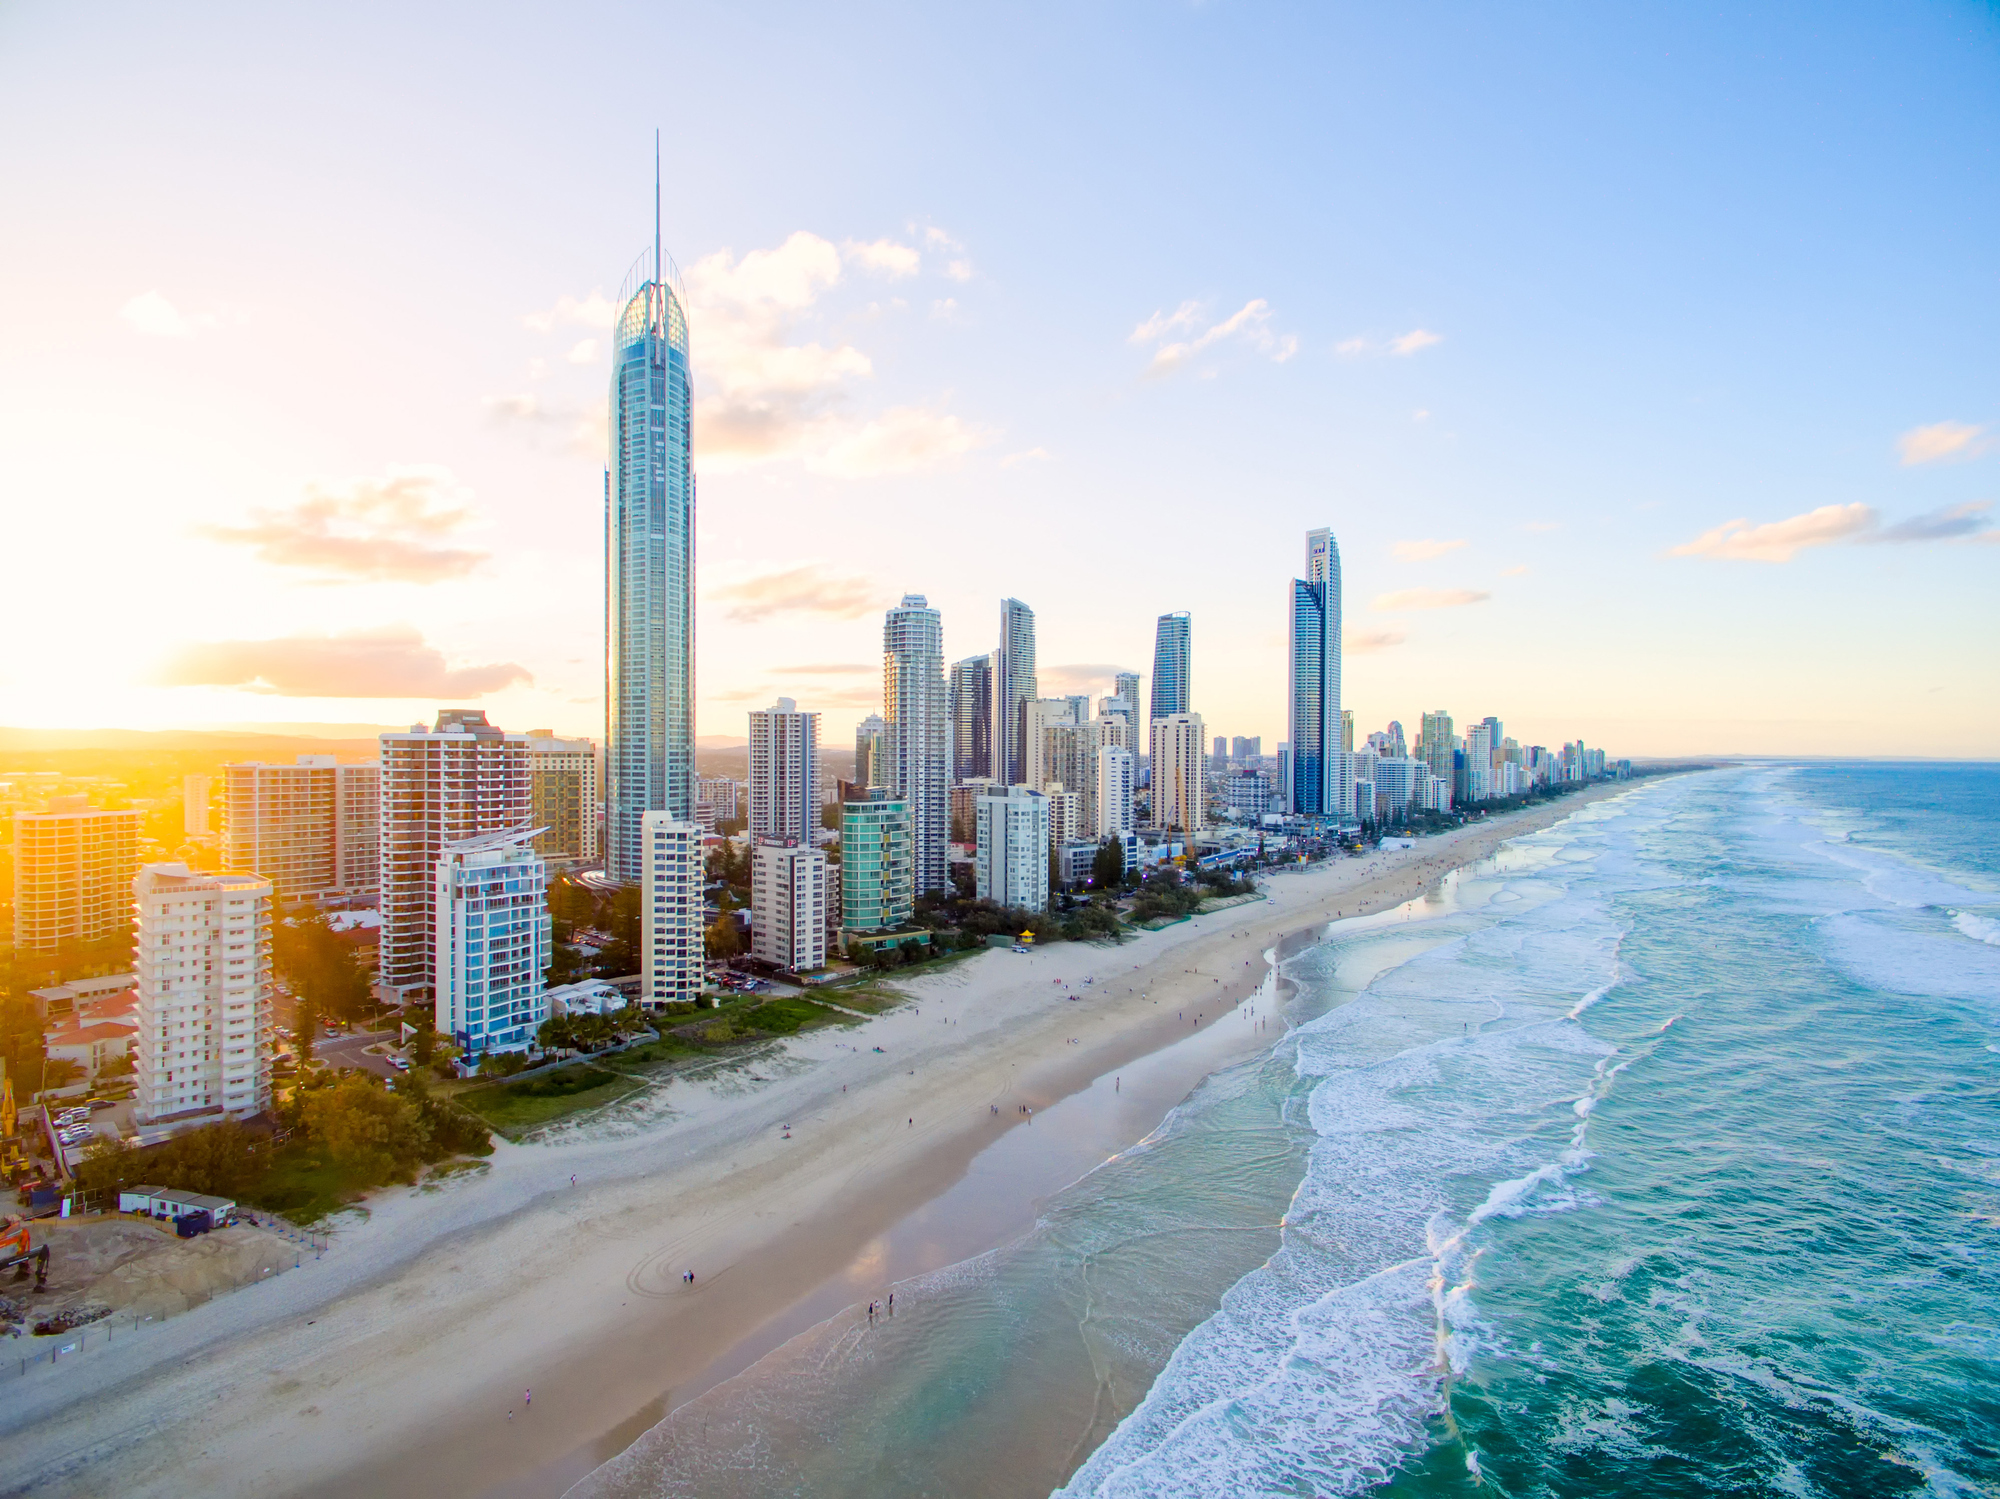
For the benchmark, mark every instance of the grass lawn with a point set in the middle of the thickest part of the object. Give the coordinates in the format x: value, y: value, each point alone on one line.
x: 866, y: 998
x: 304, y: 1185
x: 515, y: 1108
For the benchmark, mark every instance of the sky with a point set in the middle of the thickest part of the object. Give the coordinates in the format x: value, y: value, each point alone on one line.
x: 1645, y: 361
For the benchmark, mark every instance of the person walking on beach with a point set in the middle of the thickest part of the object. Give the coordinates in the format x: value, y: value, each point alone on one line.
x: 527, y: 1397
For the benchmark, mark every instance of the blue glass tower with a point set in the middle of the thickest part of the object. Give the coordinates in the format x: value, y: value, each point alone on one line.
x: 649, y: 508
x: 1313, y: 712
x: 1172, y: 646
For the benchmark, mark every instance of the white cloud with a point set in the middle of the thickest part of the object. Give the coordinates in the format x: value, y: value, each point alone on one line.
x: 959, y: 270
x: 1780, y: 540
x: 1362, y: 642
x: 944, y: 309
x: 1250, y: 324
x: 390, y: 662
x: 1031, y: 455
x: 152, y: 314
x: 388, y: 530
x: 1942, y: 440
x: 583, y: 352
x: 1424, y: 551
x: 803, y: 589
x: 899, y: 441
x: 1514, y: 572
x: 883, y: 255
x: 1400, y: 343
x: 1429, y: 598
x: 1966, y: 522
x: 593, y: 311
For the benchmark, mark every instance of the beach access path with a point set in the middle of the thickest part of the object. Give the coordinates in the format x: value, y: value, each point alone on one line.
x: 397, y: 1365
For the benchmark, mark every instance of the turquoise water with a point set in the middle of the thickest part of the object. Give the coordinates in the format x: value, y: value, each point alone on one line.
x: 1663, y: 1160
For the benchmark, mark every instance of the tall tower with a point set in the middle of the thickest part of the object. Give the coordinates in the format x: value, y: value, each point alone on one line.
x: 649, y: 504
x: 1171, y: 648
x: 1013, y: 684
x: 919, y: 734
x: 970, y: 690
x: 1313, y: 717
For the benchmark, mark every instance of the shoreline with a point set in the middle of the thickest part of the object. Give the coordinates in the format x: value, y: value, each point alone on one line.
x: 429, y: 1320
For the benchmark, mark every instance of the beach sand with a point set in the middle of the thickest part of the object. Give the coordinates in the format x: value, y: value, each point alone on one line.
x: 398, y: 1364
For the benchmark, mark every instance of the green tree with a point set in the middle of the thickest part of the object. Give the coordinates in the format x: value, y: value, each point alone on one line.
x: 369, y: 1132
x: 622, y: 956
x: 724, y: 938
x: 1108, y: 868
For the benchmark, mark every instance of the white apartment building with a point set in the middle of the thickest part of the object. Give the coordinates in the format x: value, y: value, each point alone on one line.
x: 790, y: 907
x: 493, y: 942
x: 1012, y: 863
x: 1039, y: 715
x: 311, y: 828
x: 1180, y: 792
x: 1116, y: 777
x: 563, y: 796
x: 203, y: 976
x: 671, y: 937
x: 1478, y: 762
x: 1066, y: 815
x: 1398, y: 780
x: 457, y: 781
x: 784, y: 773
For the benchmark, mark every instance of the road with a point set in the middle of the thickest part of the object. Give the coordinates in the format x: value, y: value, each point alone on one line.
x: 351, y: 1051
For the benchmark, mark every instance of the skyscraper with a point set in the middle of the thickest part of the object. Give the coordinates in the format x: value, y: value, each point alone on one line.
x: 493, y: 942
x: 1126, y: 685
x: 649, y: 504
x: 971, y: 706
x: 671, y: 947
x: 1439, y: 743
x: 73, y: 867
x: 1313, y: 716
x: 1171, y: 649
x: 919, y: 734
x: 784, y: 774
x: 564, y: 773
x: 1013, y: 684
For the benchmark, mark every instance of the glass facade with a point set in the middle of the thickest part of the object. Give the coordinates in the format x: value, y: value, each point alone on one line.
x: 649, y: 568
x: 919, y: 732
x: 1315, y: 776
x: 877, y: 888
x: 1014, y: 683
x: 1172, y: 644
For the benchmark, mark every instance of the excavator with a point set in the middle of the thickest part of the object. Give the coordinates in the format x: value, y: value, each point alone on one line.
x: 15, y: 1253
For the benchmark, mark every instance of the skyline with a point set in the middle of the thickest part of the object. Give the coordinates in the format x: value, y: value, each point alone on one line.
x: 1613, y: 440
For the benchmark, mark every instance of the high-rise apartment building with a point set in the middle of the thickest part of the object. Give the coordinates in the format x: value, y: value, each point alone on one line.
x: 649, y: 501
x: 1069, y: 759
x: 1180, y: 785
x: 203, y: 969
x: 1440, y: 739
x: 1475, y: 783
x: 1125, y: 686
x: 311, y: 828
x: 457, y: 781
x: 878, y: 890
x: 970, y: 690
x: 784, y: 774
x: 1313, y: 711
x: 1014, y: 683
x: 788, y: 901
x: 871, y: 751
x: 1040, y: 715
x: 1011, y: 868
x: 1247, y: 749
x: 964, y: 814
x: 1115, y: 782
x: 1173, y: 648
x: 913, y: 702
x: 563, y: 796
x: 73, y: 867
x: 1067, y: 812
x: 493, y: 943
x: 195, y: 793
x: 672, y: 953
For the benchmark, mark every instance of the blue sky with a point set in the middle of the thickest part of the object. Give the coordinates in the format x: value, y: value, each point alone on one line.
x: 1097, y: 306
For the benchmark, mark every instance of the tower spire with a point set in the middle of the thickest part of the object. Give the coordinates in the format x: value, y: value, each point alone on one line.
x: 660, y: 299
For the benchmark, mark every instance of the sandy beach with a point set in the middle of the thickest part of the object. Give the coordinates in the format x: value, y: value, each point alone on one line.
x: 399, y: 1363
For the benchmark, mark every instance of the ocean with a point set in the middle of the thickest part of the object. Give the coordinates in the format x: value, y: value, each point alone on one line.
x: 1660, y: 1155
